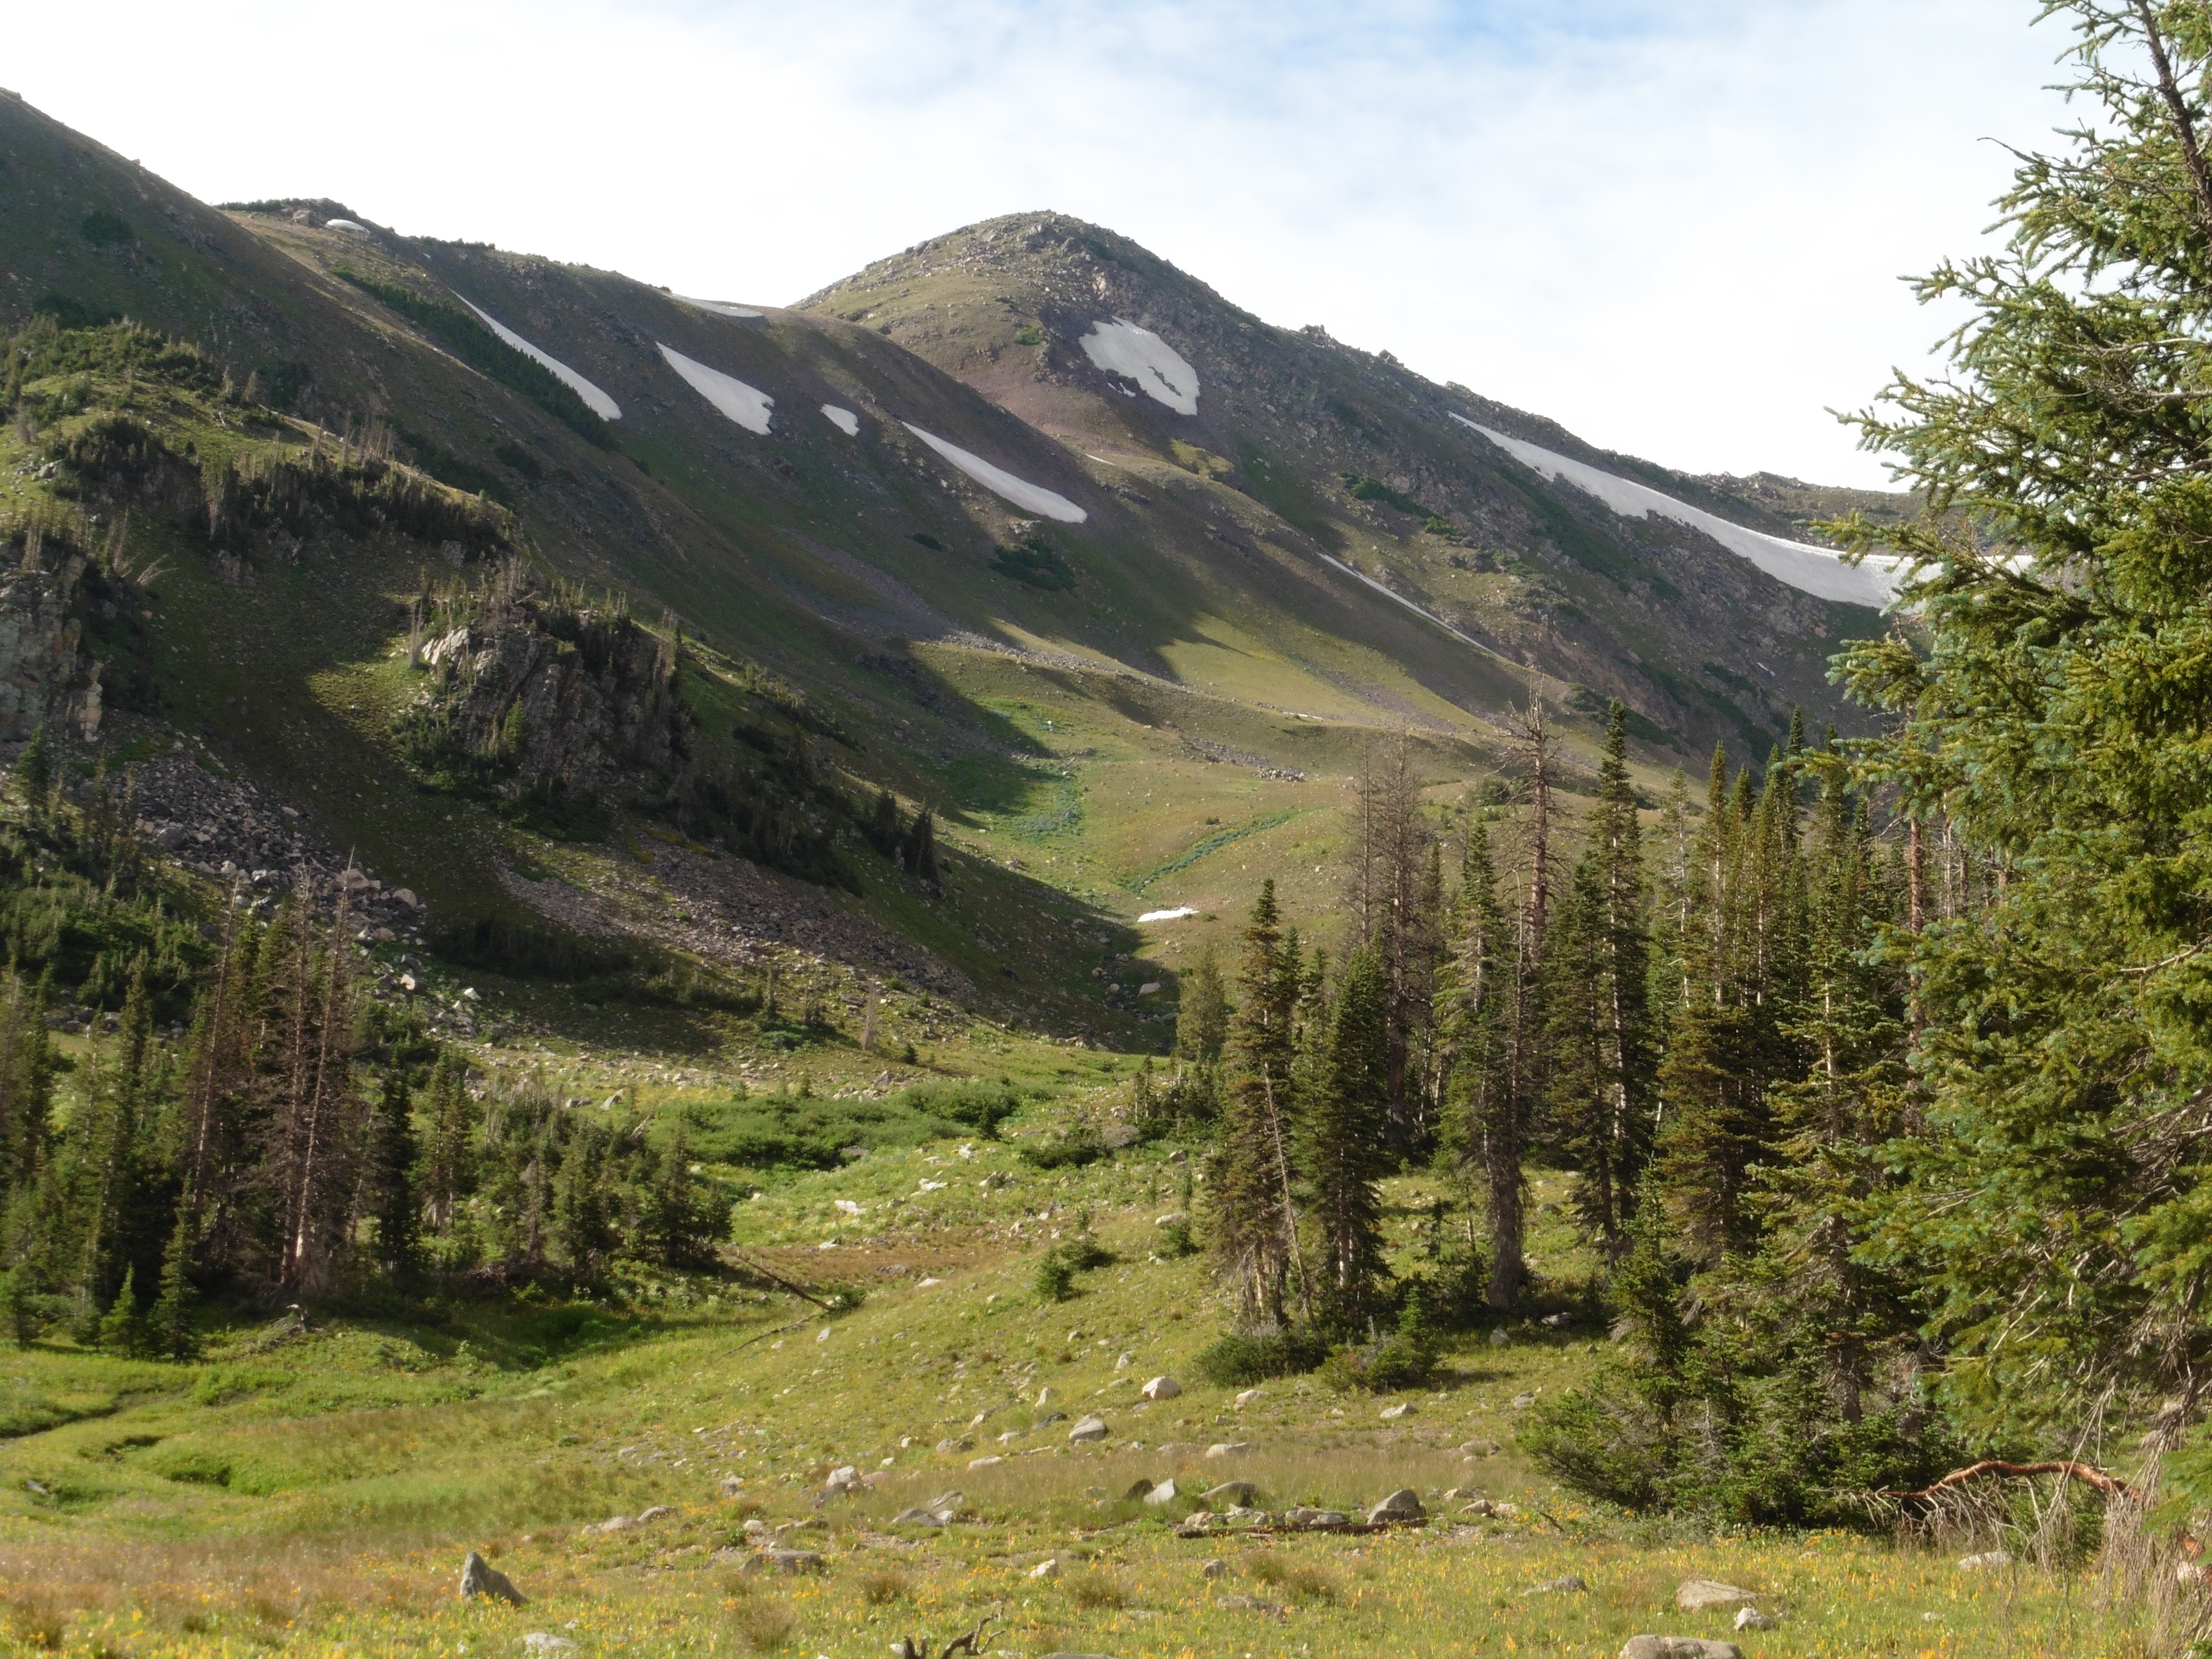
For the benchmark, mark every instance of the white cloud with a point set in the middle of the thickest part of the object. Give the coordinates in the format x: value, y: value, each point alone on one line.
x: 1675, y: 227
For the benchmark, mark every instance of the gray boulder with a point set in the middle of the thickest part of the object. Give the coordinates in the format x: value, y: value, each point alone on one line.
x: 1752, y: 1618
x: 1697, y: 1595
x: 1678, y: 1647
x: 544, y: 1641
x: 480, y: 1578
x: 1087, y: 1430
x: 1161, y: 1495
x: 915, y: 1517
x: 1231, y: 1493
x: 1401, y: 1505
x: 1305, y: 1517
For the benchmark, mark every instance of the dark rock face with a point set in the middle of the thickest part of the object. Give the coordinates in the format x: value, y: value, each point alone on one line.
x: 46, y: 676
x: 541, y: 692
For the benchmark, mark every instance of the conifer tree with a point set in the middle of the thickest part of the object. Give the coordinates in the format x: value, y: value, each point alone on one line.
x: 1342, y: 1147
x: 1471, y: 1018
x: 1250, y: 1212
x: 169, y: 1325
x: 1599, y: 1079
x: 388, y: 1198
x: 1202, y: 1013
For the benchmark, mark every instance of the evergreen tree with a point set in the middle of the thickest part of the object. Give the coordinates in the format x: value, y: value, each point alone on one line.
x: 1599, y: 1079
x: 388, y: 1199
x: 1342, y: 1147
x: 1202, y: 1016
x: 170, y: 1323
x: 119, y: 1329
x: 1482, y: 1113
x: 34, y: 772
x: 1250, y: 1212
x: 448, y: 1171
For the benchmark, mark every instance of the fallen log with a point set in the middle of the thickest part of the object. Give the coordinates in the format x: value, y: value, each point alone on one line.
x: 2088, y: 1473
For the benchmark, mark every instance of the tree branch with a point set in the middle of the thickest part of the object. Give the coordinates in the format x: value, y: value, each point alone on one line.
x: 2177, y: 109
x: 2088, y: 1473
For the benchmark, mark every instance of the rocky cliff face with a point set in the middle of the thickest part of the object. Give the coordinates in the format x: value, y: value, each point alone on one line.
x: 543, y: 693
x: 46, y: 676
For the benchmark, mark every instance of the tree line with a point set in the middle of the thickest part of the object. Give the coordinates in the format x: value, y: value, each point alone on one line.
x: 1697, y: 1017
x: 295, y: 1141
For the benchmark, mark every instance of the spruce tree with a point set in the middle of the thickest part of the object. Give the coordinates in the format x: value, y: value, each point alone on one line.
x: 389, y: 1197
x: 1342, y: 1147
x: 1599, y: 1082
x: 1250, y: 1213
x: 1202, y: 1013
x: 169, y: 1326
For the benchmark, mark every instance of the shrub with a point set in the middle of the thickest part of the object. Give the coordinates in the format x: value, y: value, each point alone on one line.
x: 1095, y: 1589
x: 761, y: 1625
x: 881, y: 1588
x: 1241, y: 1358
x: 1055, y: 1277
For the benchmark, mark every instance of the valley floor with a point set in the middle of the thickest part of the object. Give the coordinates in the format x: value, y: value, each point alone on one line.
x: 315, y: 1490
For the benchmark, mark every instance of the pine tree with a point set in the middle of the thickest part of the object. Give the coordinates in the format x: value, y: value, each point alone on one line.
x: 120, y: 1327
x: 169, y: 1326
x: 34, y: 773
x: 1342, y: 1147
x: 389, y: 1201
x: 1202, y: 1014
x: 1482, y: 1114
x: 448, y: 1171
x: 1251, y: 1216
x: 1597, y: 992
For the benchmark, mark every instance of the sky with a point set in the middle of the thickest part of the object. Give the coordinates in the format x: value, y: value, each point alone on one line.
x: 1677, y: 227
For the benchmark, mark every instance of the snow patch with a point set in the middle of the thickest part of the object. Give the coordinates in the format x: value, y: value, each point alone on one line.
x: 1809, y: 569
x: 353, y: 225
x: 1034, y: 498
x: 1176, y: 915
x: 596, y: 400
x: 747, y: 405
x: 843, y: 419
x: 1122, y: 348
x: 720, y: 307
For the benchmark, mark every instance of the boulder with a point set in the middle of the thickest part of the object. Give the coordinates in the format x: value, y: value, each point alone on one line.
x: 1197, y: 1524
x: 1230, y: 1493
x: 947, y: 1447
x: 1305, y: 1517
x: 480, y: 1578
x: 1228, y: 1448
x: 1248, y: 1397
x: 1044, y: 1396
x: 1216, y: 1568
x: 1401, y: 1505
x: 1987, y: 1561
x: 1087, y: 1430
x: 948, y: 1506
x: 1752, y: 1618
x: 915, y: 1517
x: 654, y: 1513
x: 785, y: 1561
x: 1567, y: 1584
x: 1161, y: 1387
x: 1161, y: 1495
x: 1123, y: 1363
x: 613, y: 1523
x: 1403, y: 1408
x: 1049, y: 1417
x: 1678, y: 1647
x: 844, y: 1479
x: 1697, y: 1595
x: 1139, y: 1488
x: 991, y: 1462
x: 1522, y: 1401
x: 1478, y: 1506
x: 541, y: 1642
x: 1047, y: 1568
x: 1501, y: 1338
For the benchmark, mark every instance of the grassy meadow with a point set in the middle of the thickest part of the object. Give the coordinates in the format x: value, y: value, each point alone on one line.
x: 314, y: 1491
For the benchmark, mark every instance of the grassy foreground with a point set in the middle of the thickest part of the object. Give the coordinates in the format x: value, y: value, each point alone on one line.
x: 314, y: 1491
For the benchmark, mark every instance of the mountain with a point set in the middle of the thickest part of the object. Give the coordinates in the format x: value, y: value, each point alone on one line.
x: 1022, y: 525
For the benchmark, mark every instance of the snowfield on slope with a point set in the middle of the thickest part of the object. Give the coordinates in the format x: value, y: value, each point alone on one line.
x: 843, y: 419
x: 747, y: 405
x: 594, y: 400
x: 1809, y: 569
x: 1122, y: 348
x: 720, y: 307
x: 1034, y: 498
